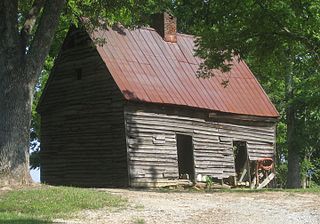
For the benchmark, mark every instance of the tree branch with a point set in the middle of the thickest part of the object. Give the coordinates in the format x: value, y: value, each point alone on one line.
x: 8, y: 23
x: 43, y: 38
x: 9, y: 40
x: 31, y: 19
x: 310, y: 42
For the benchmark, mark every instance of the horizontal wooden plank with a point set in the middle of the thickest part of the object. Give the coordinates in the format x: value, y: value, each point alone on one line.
x: 213, y: 153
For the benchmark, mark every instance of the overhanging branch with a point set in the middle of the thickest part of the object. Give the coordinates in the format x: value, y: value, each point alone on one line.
x: 8, y: 24
x: 43, y: 38
x: 312, y: 43
x: 28, y: 25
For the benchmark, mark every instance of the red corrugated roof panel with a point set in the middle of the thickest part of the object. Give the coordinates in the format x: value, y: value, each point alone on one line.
x: 148, y: 69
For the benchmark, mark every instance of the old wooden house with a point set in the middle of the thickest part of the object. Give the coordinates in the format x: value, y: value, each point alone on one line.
x: 130, y: 111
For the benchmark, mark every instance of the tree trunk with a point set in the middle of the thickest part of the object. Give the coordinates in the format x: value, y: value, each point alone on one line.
x: 15, y: 110
x: 293, y: 177
x: 20, y: 66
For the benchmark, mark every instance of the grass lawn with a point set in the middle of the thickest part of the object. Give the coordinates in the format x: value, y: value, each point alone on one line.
x: 44, y: 204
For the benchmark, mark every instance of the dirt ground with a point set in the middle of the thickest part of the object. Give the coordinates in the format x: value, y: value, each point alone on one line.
x: 153, y: 207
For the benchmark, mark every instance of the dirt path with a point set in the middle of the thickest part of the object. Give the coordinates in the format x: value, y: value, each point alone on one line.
x: 223, y: 208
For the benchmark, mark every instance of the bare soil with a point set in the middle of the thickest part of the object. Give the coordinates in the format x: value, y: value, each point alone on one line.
x: 218, y: 207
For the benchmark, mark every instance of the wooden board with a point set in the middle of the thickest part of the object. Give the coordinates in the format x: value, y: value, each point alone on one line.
x: 212, y: 141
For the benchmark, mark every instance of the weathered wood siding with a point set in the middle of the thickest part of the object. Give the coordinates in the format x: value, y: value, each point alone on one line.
x: 82, y: 123
x: 151, y: 139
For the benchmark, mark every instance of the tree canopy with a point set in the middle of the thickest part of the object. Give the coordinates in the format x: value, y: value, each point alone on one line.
x: 281, y: 42
x: 252, y: 27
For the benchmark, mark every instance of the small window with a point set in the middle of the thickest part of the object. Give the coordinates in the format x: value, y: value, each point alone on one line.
x: 79, y: 73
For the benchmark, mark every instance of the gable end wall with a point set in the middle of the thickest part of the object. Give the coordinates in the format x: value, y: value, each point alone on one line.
x: 82, y: 123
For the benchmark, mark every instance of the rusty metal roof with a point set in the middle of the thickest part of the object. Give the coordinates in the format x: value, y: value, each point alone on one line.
x: 148, y: 69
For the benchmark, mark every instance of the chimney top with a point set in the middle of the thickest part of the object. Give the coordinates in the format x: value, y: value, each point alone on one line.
x: 166, y: 25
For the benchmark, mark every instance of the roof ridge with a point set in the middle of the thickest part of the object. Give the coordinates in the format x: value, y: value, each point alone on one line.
x: 185, y: 34
x: 153, y: 29
x: 147, y: 28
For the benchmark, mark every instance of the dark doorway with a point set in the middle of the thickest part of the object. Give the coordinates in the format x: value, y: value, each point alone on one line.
x: 185, y: 157
x: 240, y: 155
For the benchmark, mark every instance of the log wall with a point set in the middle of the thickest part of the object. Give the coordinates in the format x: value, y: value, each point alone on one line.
x: 82, y: 122
x: 151, y: 139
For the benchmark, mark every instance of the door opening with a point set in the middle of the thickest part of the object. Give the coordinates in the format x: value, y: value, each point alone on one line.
x: 241, y: 162
x: 185, y: 157
x: 240, y: 155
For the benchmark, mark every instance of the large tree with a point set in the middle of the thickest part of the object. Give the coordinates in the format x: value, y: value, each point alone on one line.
x: 20, y: 64
x: 282, y: 33
x: 28, y: 28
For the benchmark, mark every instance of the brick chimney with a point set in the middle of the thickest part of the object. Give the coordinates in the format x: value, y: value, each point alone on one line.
x: 166, y: 25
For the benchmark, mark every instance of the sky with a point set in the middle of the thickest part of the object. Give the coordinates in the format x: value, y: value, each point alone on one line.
x: 35, y: 174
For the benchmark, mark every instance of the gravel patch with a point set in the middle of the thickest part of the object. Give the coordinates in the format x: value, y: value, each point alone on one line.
x: 224, y: 208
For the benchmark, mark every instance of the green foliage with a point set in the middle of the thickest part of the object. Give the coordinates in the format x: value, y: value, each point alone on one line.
x: 45, y: 204
x: 248, y: 27
x: 278, y: 39
x: 281, y: 175
x: 313, y: 166
x: 316, y: 176
x: 305, y: 166
x: 209, y: 181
